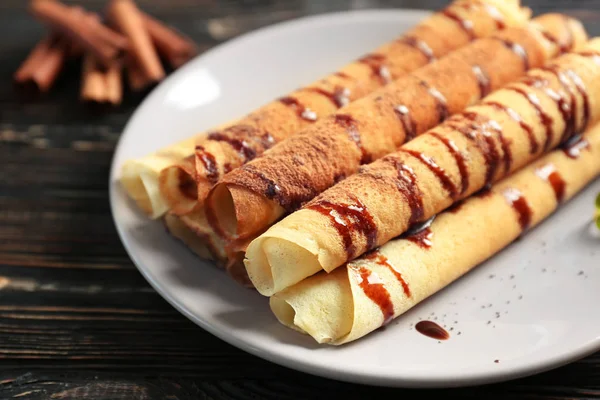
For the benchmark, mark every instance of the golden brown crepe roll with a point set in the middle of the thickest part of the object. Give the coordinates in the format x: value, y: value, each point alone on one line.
x: 354, y: 300
x: 246, y: 201
x: 228, y: 148
x: 468, y: 152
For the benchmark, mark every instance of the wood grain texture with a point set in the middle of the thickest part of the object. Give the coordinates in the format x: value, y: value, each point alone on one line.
x: 77, y: 321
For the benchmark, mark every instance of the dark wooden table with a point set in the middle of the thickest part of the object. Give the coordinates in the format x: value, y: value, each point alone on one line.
x: 77, y: 320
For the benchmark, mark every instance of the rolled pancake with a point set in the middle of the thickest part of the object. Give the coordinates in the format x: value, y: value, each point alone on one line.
x: 246, y: 201
x: 435, y: 36
x: 465, y: 154
x: 354, y: 300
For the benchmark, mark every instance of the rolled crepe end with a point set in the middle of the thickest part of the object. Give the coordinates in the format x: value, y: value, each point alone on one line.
x: 179, y: 230
x: 235, y: 269
x: 567, y: 33
x: 178, y: 188
x: 141, y: 184
x: 227, y: 206
x: 275, y: 263
x: 512, y: 9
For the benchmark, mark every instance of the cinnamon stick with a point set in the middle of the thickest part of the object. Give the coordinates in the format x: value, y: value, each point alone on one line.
x: 43, y: 64
x: 172, y: 45
x: 136, y: 78
x: 101, y: 85
x: 127, y: 18
x: 88, y: 32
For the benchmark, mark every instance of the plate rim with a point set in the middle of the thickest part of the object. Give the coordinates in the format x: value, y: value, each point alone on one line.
x: 294, y: 363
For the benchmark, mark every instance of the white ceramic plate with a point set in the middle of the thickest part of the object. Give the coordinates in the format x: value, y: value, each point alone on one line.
x: 532, y: 307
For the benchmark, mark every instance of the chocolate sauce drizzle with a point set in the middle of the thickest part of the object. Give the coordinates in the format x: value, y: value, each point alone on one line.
x: 573, y: 147
x: 492, y: 11
x: 517, y: 49
x: 460, y: 159
x: 372, y: 285
x: 209, y: 162
x: 239, y: 145
x: 420, y: 46
x: 546, y: 119
x: 483, y: 80
x: 406, y: 183
x: 440, y: 101
x: 349, y: 123
x: 342, y: 75
x: 377, y: 64
x: 549, y: 173
x: 518, y: 202
x: 438, y: 171
x: 562, y: 47
x: 465, y: 24
x: 340, y: 96
x: 534, y: 146
x: 410, y: 128
x: 272, y: 189
x: 422, y: 239
x: 302, y: 111
x: 581, y: 89
x: 432, y: 330
x: 382, y: 260
x: 349, y: 218
x: 594, y: 55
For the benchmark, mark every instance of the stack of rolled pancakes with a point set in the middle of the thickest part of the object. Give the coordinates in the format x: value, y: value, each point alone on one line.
x: 348, y: 201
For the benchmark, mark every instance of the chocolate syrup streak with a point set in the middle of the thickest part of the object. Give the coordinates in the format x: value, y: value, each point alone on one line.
x: 339, y: 97
x: 347, y: 219
x: 562, y: 47
x: 460, y: 159
x: 410, y: 128
x: 406, y: 183
x: 347, y: 122
x: 549, y: 173
x: 465, y: 24
x: 377, y: 64
x: 517, y: 49
x: 438, y: 171
x: 209, y: 163
x: 492, y: 12
x: 272, y: 189
x: 440, y: 101
x: 302, y: 111
x: 534, y: 146
x: 382, y: 260
x: 545, y: 118
x: 518, y: 202
x: 483, y: 80
x: 432, y: 330
x: 372, y: 285
x: 422, y: 239
x: 239, y: 145
x: 420, y: 46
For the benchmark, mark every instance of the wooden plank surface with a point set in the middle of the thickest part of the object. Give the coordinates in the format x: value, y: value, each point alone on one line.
x: 77, y: 320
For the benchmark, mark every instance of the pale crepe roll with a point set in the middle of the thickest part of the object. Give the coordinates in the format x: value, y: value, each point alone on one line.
x: 356, y: 299
x: 227, y: 149
x: 468, y: 152
x: 247, y: 200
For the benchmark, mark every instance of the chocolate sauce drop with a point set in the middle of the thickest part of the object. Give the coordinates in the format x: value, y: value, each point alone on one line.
x: 432, y: 330
x: 406, y: 183
x: 209, y: 162
x: 349, y: 123
x: 518, y: 202
x: 374, y: 289
x: 410, y: 128
x: 459, y: 157
x: 420, y: 46
x: 301, y: 110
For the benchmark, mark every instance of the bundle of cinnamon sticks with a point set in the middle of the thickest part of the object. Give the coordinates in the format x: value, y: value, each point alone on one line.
x: 125, y: 40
